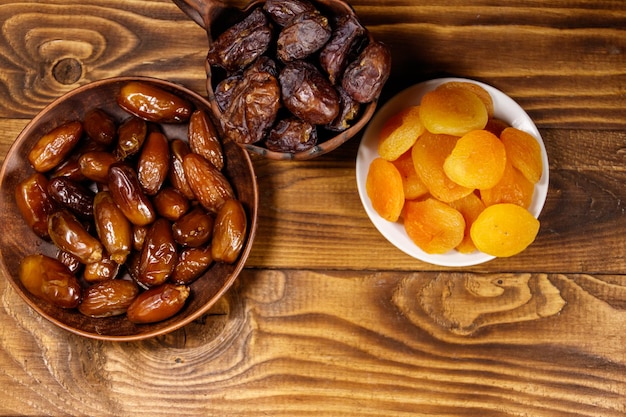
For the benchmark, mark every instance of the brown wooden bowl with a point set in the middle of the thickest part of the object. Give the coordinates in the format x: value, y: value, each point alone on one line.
x: 18, y: 240
x: 215, y: 16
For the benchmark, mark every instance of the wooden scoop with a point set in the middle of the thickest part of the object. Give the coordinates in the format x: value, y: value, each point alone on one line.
x: 216, y: 15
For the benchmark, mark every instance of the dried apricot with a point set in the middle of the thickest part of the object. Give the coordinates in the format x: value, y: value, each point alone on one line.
x: 470, y: 207
x: 512, y: 188
x: 399, y: 133
x: 429, y: 153
x: 413, y: 185
x: 504, y: 230
x: 524, y: 152
x: 384, y: 188
x: 482, y: 94
x: 433, y: 225
x: 477, y: 160
x: 452, y: 111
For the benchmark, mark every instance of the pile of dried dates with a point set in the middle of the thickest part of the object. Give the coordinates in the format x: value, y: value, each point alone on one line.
x: 136, y: 216
x: 289, y: 71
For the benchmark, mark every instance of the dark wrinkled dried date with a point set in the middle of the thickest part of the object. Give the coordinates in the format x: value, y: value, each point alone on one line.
x: 292, y: 135
x: 303, y: 35
x: 346, y: 39
x: 284, y: 11
x: 49, y: 279
x: 72, y: 195
x: 242, y: 43
x: 308, y: 94
x: 364, y: 78
x: 158, y: 303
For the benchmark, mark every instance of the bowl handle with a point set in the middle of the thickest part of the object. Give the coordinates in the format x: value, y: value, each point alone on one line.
x: 202, y: 11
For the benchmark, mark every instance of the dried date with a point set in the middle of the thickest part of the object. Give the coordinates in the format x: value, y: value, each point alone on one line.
x: 153, y: 104
x: 158, y: 255
x: 291, y: 135
x: 346, y: 38
x: 130, y: 137
x: 127, y: 193
x: 204, y: 140
x: 192, y: 263
x: 208, y: 184
x: 108, y: 298
x: 94, y: 165
x: 242, y: 43
x: 284, y: 11
x: 308, y: 94
x: 194, y: 228
x: 154, y: 163
x: 170, y: 203
x: 34, y: 203
x: 103, y: 270
x: 53, y: 147
x: 49, y: 279
x: 304, y: 35
x: 100, y: 126
x: 178, y: 150
x: 158, y: 303
x: 73, y: 196
x: 69, y: 234
x: 364, y: 78
x: 113, y: 227
x: 229, y: 232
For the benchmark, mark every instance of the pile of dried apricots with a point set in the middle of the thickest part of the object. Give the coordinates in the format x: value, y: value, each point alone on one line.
x: 456, y: 176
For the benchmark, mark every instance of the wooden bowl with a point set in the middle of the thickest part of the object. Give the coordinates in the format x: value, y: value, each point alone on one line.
x: 215, y: 16
x: 18, y: 240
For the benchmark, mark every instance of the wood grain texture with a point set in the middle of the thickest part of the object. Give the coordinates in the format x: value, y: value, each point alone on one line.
x: 329, y: 319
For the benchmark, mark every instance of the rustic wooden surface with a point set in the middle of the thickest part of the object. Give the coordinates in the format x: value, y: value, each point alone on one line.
x: 329, y: 319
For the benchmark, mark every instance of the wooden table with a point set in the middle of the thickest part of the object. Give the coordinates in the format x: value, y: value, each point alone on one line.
x: 328, y: 318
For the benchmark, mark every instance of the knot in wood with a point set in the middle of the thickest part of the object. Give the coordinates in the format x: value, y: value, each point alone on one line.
x: 67, y: 71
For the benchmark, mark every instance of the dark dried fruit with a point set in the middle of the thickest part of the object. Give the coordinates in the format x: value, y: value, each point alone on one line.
x: 158, y: 255
x: 229, y: 232
x: 242, y: 43
x: 204, y: 140
x: 208, y: 184
x: 154, y: 163
x: 70, y: 235
x: 308, y: 94
x: 49, y: 279
x: 53, y: 147
x: 109, y: 298
x: 346, y: 38
x: 158, y: 303
x: 153, y: 104
x: 113, y: 227
x: 364, y: 78
x: 348, y: 112
x: 72, y: 195
x: 34, y: 203
x: 284, y: 11
x: 303, y: 36
x: 254, y: 104
x: 291, y: 135
x: 128, y: 195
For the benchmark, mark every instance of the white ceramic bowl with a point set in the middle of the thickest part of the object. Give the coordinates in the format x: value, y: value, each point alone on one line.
x: 504, y: 108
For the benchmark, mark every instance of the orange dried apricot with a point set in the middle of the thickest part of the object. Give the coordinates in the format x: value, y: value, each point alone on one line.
x: 496, y: 126
x: 512, y: 188
x: 434, y: 226
x: 413, y: 185
x: 452, y: 111
x: 482, y: 94
x: 399, y: 133
x: 524, y: 152
x: 470, y: 207
x: 504, y: 230
x: 429, y: 153
x: 384, y: 188
x: 477, y: 160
